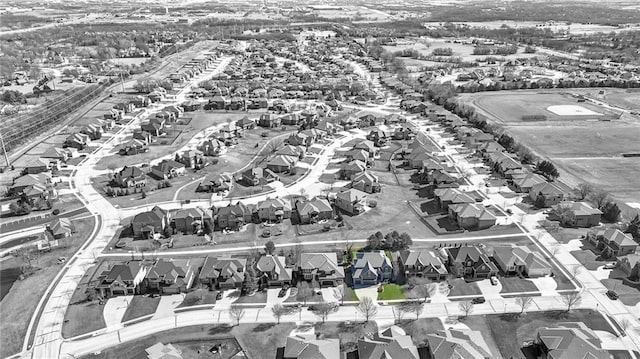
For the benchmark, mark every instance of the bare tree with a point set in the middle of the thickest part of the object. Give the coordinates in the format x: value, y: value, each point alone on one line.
x: 304, y: 292
x: 599, y: 197
x: 466, y: 307
x: 236, y: 313
x: 367, y: 308
x: 584, y: 190
x: 576, y: 270
x: 624, y: 326
x: 278, y: 311
x: 571, y: 300
x: 338, y: 293
x: 425, y: 291
x: 524, y: 303
x: 323, y: 309
x: 398, y: 313
x: 412, y: 307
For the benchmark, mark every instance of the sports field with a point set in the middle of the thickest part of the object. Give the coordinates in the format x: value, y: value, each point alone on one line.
x: 628, y: 99
x: 584, y: 147
x: 508, y: 107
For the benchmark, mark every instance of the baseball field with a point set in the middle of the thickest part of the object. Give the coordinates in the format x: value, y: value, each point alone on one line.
x: 586, y: 141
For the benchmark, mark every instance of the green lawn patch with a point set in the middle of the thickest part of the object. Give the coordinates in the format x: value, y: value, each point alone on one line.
x: 352, y: 295
x: 83, y: 318
x: 391, y: 291
x: 517, y: 285
x: 140, y: 306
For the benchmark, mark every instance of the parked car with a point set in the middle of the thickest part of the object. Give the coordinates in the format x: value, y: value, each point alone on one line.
x: 282, y: 292
x: 612, y: 295
x: 611, y: 265
x: 478, y: 300
x: 494, y: 280
x: 219, y: 295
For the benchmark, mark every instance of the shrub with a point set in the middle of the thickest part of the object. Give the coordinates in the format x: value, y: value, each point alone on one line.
x: 56, y: 212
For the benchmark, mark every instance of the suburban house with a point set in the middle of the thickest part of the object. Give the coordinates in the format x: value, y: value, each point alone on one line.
x: 524, y: 182
x: 153, y: 127
x: 629, y: 264
x: 226, y: 273
x: 371, y: 268
x: 273, y: 272
x: 281, y: 163
x: 213, y: 183
x: 298, y: 139
x: 365, y: 182
x: 448, y: 196
x: 213, y: 147
x: 471, y: 215
x: 470, y: 261
x: 320, y: 267
x: 350, y: 169
x: 142, y: 136
x: 368, y: 146
x: 170, y: 276
x: 130, y: 177
x: 306, y: 346
x: 351, y: 201
x: 570, y: 340
x: 162, y: 351
x: 546, y: 193
x: 77, y: 140
x: 133, y: 147
x: 423, y: 263
x: 458, y: 343
x: 233, y: 217
x: 274, y: 209
x: 245, y: 123
x: 146, y: 225
x: 168, y: 169
x: 582, y: 214
x: 23, y: 183
x: 268, y: 120
x: 37, y: 165
x: 392, y: 343
x: 520, y: 260
x: 378, y: 137
x: 357, y: 155
x: 121, y: 279
x: 258, y: 176
x: 193, y: 159
x: 191, y: 220
x: 613, y: 243
x: 313, y: 210
x: 61, y: 228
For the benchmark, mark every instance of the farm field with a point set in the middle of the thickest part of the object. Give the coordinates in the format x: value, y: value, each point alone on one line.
x: 583, y: 149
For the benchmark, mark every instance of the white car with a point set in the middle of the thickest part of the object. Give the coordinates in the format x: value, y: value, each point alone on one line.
x: 611, y: 265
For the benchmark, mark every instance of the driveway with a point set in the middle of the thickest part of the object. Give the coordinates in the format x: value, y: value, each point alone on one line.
x: 488, y: 290
x: 371, y: 292
x: 441, y: 295
x: 328, y: 294
x: 546, y: 285
x: 228, y: 297
x: 114, y: 310
x: 167, y: 304
x: 273, y: 299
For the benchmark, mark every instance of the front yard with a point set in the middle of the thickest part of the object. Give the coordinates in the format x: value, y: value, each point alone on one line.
x: 140, y: 306
x: 83, y: 318
x: 391, y: 291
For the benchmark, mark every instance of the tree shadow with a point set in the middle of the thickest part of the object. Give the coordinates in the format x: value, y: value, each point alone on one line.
x: 263, y: 327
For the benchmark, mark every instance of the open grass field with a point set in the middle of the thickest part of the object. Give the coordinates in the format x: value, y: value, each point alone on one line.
x: 19, y: 304
x: 509, y: 107
x: 629, y: 99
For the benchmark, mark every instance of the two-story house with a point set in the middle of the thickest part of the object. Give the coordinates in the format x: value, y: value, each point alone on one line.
x: 274, y: 209
x: 520, y: 260
x: 320, y: 267
x: 223, y: 273
x: 613, y: 243
x: 147, y: 224
x: 234, y: 216
x: 272, y: 271
x: 371, y: 268
x: 470, y: 261
x: 130, y: 177
x: 170, y: 276
x: 121, y: 279
x: 422, y: 263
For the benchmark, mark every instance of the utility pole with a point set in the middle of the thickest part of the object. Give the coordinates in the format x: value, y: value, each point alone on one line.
x: 4, y: 151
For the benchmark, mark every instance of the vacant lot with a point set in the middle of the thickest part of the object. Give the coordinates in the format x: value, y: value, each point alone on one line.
x: 509, y: 107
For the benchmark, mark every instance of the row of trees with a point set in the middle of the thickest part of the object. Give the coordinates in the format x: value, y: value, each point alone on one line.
x: 393, y: 241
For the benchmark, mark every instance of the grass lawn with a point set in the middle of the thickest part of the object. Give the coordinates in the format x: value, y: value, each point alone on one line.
x: 419, y: 329
x: 19, y: 304
x: 199, y: 297
x: 258, y: 340
x: 516, y: 285
x: 352, y: 295
x: 561, y: 279
x: 391, y: 291
x: 140, y: 306
x: 460, y: 287
x: 509, y: 331
x: 258, y: 298
x: 83, y: 318
x: 151, y: 192
x: 628, y: 295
